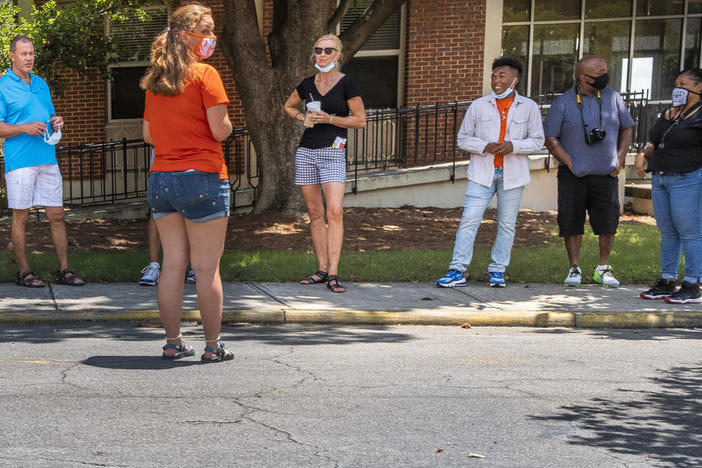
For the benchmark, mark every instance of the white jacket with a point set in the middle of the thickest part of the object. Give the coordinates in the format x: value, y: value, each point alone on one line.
x: 481, y: 126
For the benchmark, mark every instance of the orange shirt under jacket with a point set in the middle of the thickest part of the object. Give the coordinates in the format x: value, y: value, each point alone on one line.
x: 179, y: 128
x: 503, y: 106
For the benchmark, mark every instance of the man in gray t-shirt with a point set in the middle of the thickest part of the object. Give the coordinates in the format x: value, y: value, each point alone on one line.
x: 589, y: 131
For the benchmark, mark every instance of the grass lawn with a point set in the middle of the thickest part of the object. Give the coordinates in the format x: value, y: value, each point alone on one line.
x: 634, y: 259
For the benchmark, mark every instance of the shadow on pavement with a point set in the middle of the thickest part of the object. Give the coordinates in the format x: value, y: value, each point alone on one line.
x: 54, y: 333
x: 298, y: 335
x: 630, y: 334
x: 664, y: 425
x: 284, y: 335
x: 138, y: 362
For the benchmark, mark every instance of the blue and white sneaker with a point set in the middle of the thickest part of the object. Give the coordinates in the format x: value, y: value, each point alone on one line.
x: 151, y: 273
x: 497, y: 279
x: 452, y: 279
x: 191, y: 278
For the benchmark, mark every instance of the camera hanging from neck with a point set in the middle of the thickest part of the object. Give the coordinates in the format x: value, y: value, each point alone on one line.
x: 596, y: 134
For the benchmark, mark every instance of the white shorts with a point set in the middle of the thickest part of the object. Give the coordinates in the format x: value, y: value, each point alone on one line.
x: 32, y: 186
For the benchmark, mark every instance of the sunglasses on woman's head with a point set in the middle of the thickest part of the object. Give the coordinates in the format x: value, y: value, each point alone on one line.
x: 326, y: 50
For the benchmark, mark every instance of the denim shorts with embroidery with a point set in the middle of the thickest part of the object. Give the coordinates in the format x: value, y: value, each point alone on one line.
x: 195, y: 195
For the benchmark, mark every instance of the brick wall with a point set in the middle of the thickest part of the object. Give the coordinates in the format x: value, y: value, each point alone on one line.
x: 445, y: 46
x: 444, y: 63
x: 83, y: 107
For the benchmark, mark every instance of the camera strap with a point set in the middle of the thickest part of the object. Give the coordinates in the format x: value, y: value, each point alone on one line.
x: 579, y: 100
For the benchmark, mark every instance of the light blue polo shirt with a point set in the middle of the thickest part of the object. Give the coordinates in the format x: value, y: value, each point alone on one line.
x: 19, y: 104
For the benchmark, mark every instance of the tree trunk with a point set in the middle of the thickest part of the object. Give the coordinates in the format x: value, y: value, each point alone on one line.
x: 264, y: 81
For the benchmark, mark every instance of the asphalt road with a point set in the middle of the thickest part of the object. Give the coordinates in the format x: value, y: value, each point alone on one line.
x: 91, y: 394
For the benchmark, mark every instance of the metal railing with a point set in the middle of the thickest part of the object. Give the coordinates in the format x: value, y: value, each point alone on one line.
x: 105, y: 173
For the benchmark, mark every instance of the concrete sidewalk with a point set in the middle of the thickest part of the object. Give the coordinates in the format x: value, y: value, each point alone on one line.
x: 530, y: 305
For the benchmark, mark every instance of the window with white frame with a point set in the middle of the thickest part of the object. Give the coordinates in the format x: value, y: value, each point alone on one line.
x: 377, y: 67
x: 645, y: 42
x: 133, y: 40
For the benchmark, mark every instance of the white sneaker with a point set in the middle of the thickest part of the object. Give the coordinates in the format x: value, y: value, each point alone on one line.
x: 191, y: 278
x: 152, y: 271
x: 575, y: 276
x: 603, y: 275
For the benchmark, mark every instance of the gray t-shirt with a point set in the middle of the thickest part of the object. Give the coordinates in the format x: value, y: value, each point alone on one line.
x: 564, y: 122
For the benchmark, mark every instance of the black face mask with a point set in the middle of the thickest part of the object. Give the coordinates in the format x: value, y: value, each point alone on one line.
x: 599, y: 82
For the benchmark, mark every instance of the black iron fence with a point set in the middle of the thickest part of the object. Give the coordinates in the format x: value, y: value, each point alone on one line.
x: 105, y: 173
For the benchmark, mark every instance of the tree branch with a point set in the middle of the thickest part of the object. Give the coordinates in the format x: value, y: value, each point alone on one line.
x: 363, y: 28
x: 280, y: 16
x: 338, y: 15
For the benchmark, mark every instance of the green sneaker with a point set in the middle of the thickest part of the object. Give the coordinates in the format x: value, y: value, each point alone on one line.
x: 604, y: 276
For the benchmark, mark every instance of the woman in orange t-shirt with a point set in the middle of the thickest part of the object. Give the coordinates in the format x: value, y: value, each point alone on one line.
x: 185, y: 118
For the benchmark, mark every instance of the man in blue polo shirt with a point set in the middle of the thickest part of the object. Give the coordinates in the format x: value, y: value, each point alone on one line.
x: 31, y: 128
x: 589, y: 131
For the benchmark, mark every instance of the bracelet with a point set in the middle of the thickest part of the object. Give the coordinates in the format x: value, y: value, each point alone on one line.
x: 331, y: 117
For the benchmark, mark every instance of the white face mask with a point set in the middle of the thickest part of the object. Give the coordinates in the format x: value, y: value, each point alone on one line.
x: 53, y: 138
x: 680, y: 95
x: 325, y: 69
x: 506, y: 92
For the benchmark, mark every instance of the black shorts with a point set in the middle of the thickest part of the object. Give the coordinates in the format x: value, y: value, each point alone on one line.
x: 595, y: 194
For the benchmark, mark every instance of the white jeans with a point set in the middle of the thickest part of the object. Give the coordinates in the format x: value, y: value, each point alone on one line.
x: 477, y: 199
x: 40, y: 185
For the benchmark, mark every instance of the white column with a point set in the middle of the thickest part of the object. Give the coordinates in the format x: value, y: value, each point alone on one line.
x: 493, y: 39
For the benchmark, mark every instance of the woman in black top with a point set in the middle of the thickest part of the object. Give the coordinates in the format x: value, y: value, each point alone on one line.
x: 675, y: 159
x: 320, y: 160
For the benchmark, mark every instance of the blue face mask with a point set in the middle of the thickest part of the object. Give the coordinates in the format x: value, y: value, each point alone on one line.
x: 506, y: 92
x: 329, y: 67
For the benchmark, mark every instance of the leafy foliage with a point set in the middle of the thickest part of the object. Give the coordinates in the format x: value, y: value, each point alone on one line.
x: 8, y: 29
x: 72, y: 35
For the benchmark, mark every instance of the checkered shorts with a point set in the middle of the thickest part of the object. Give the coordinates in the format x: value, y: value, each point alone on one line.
x: 319, y: 166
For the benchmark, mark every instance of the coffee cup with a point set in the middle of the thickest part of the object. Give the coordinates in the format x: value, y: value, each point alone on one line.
x: 312, y: 106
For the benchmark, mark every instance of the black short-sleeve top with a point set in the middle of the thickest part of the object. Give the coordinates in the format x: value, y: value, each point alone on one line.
x: 678, y: 144
x: 334, y: 102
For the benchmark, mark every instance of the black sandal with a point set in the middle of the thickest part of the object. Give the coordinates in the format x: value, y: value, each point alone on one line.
x: 334, y: 285
x: 218, y: 354
x: 67, y: 277
x: 317, y: 277
x: 32, y: 282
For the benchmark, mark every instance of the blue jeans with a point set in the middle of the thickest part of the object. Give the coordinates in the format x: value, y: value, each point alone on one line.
x: 677, y: 204
x: 477, y: 199
x: 195, y: 195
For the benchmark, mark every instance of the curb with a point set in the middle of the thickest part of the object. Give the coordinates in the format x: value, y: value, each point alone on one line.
x: 447, y: 317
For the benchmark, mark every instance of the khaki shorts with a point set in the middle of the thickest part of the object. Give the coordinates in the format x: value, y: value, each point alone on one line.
x: 34, y: 186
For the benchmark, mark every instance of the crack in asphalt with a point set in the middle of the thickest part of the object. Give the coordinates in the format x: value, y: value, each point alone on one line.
x: 267, y: 292
x: 53, y: 297
x: 53, y: 461
x: 292, y: 439
x: 64, y: 376
x: 250, y: 414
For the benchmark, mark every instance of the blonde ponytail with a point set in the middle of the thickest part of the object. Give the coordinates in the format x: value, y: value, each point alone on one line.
x: 170, y: 58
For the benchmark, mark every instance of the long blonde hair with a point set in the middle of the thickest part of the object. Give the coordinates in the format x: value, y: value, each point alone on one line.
x: 170, y: 58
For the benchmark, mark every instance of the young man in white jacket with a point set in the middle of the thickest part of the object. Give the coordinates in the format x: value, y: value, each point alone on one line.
x: 500, y: 131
